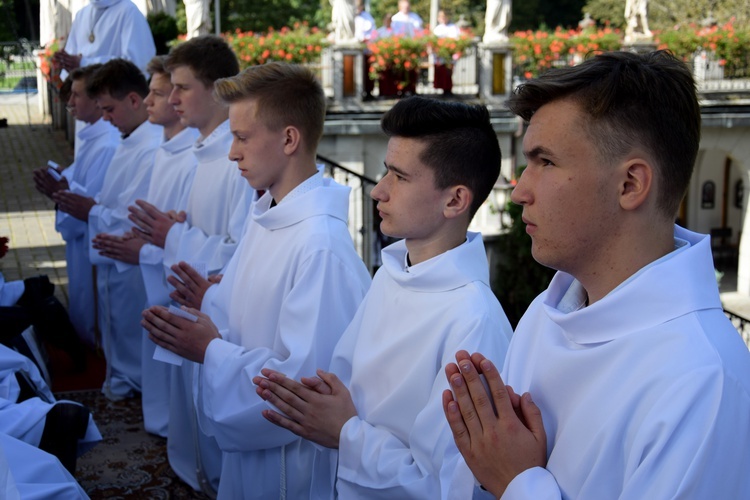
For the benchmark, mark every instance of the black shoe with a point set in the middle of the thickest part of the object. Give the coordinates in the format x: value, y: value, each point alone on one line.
x: 66, y: 423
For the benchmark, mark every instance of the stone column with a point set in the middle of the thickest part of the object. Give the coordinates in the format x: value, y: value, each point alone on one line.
x: 495, y: 71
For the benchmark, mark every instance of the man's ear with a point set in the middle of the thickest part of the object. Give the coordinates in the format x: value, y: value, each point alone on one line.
x: 292, y: 140
x: 459, y: 201
x: 134, y: 100
x: 637, y: 184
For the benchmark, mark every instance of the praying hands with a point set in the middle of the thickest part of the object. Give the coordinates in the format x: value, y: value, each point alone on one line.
x: 151, y: 223
x: 497, y: 446
x: 46, y: 184
x: 315, y: 409
x: 181, y: 336
x: 125, y: 248
x: 189, y: 285
x: 74, y: 204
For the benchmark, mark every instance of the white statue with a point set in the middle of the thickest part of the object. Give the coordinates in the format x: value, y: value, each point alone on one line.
x: 496, y: 21
x: 342, y: 17
x: 636, y: 16
x: 198, y: 17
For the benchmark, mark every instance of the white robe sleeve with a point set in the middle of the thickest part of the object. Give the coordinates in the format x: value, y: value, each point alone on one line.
x: 114, y: 219
x: 321, y: 302
x: 187, y: 242
x: 375, y: 463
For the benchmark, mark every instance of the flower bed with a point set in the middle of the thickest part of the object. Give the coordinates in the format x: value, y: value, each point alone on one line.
x: 300, y: 44
x: 534, y: 52
x: 537, y: 51
x: 730, y: 46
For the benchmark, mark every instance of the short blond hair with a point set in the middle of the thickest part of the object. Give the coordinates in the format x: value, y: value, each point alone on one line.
x: 285, y: 94
x: 157, y: 65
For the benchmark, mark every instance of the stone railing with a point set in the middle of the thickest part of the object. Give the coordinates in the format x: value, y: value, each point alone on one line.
x: 486, y: 72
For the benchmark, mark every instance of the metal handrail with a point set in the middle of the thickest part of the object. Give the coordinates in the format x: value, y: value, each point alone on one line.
x: 742, y: 325
x: 364, y: 222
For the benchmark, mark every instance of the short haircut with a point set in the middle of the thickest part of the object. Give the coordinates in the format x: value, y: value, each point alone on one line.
x: 118, y: 78
x: 285, y: 94
x: 82, y: 73
x: 209, y: 57
x: 632, y: 100
x: 157, y: 66
x: 461, y: 146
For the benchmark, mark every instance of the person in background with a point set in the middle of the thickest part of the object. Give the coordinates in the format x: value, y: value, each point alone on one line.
x: 405, y: 22
x: 444, y: 69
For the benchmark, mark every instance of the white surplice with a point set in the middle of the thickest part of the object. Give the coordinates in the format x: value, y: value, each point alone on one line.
x: 97, y: 143
x: 392, y: 358
x: 287, y: 295
x: 120, y: 286
x: 119, y: 30
x: 172, y: 176
x: 643, y: 394
x: 217, y: 205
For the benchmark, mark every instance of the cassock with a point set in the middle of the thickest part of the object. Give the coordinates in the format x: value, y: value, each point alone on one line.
x: 172, y: 175
x: 25, y: 420
x: 97, y: 143
x: 392, y: 358
x: 217, y: 205
x: 287, y: 295
x: 28, y: 473
x: 107, y: 29
x: 643, y: 394
x: 120, y: 286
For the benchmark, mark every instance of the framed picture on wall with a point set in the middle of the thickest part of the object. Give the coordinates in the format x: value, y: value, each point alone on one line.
x: 708, y: 195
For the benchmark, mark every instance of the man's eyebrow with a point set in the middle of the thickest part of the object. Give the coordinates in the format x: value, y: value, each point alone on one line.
x: 395, y: 170
x: 537, y: 152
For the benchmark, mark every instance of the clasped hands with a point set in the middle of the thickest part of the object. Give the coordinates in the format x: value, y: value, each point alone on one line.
x: 46, y: 184
x: 68, y: 62
x: 181, y: 336
x: 496, y: 445
x: 152, y: 224
x: 316, y: 408
x: 125, y: 248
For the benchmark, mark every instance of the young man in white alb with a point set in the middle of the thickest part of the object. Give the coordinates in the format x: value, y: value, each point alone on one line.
x: 174, y: 167
x: 204, y: 227
x: 633, y: 383
x: 97, y: 143
x: 119, y: 89
x: 289, y: 291
x: 377, y: 411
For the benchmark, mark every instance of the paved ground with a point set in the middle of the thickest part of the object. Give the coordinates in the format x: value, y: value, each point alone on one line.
x: 26, y: 216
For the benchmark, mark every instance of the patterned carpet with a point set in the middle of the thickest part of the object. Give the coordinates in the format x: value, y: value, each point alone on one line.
x: 128, y: 462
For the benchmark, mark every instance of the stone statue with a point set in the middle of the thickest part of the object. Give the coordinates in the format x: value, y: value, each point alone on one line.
x: 342, y: 17
x: 496, y: 21
x: 636, y: 16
